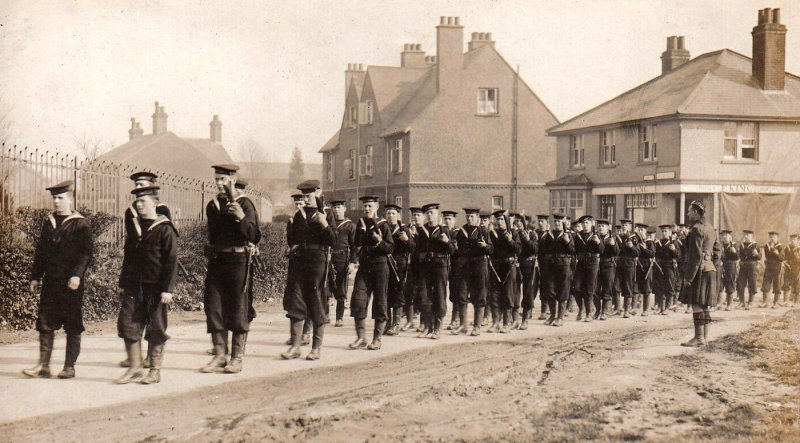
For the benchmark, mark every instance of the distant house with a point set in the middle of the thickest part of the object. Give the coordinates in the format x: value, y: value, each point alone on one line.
x: 722, y: 128
x: 273, y: 179
x: 458, y: 128
x: 165, y: 151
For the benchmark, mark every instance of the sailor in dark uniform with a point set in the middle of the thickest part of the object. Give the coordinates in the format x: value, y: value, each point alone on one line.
x: 774, y: 257
x: 375, y: 244
x: 588, y: 248
x: 607, y: 270
x: 543, y: 275
x: 140, y: 179
x: 529, y: 267
x: 399, y: 264
x: 485, y: 222
x: 630, y: 248
x: 312, y: 237
x: 666, y: 264
x: 147, y: 280
x: 730, y: 266
x: 750, y: 256
x: 241, y: 185
x: 433, y: 249
x: 562, y: 248
x: 454, y: 271
x: 59, y: 265
x: 413, y: 301
x: 232, y: 223
x: 474, y: 250
x: 644, y: 269
x: 503, y: 272
x: 343, y: 257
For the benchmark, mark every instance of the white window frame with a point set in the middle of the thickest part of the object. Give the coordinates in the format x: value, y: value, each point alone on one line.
x: 608, y: 150
x: 353, y: 205
x: 488, y: 101
x: 608, y: 207
x: 648, y: 144
x: 365, y: 163
x: 559, y: 201
x: 641, y: 201
x: 740, y: 142
x: 397, y: 156
x: 576, y: 152
x: 365, y: 112
x: 497, y: 202
x: 398, y: 200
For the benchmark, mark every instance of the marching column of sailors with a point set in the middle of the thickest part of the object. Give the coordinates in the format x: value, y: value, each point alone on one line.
x: 498, y: 266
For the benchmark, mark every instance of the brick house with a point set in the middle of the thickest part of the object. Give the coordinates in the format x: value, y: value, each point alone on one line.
x: 722, y: 128
x: 460, y: 128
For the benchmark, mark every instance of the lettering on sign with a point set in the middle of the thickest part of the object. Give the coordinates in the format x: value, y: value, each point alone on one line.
x: 739, y: 188
x: 642, y: 189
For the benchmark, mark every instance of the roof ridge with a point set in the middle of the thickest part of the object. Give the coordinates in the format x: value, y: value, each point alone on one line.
x: 400, y: 111
x: 638, y: 87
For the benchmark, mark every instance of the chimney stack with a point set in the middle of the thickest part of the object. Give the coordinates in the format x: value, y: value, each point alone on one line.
x: 159, y: 120
x: 675, y: 55
x: 449, y: 51
x: 412, y: 56
x: 355, y: 71
x: 430, y: 60
x: 216, y: 129
x: 769, y: 50
x: 135, y: 131
x: 480, y: 39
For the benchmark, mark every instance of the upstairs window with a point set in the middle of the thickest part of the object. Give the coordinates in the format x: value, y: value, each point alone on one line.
x: 352, y: 117
x: 365, y: 163
x: 648, y: 145
x: 487, y: 101
x: 576, y: 151
x: 398, y: 200
x: 608, y: 151
x: 741, y: 141
x: 365, y: 111
x: 353, y: 206
x: 329, y: 165
x: 397, y: 155
x: 350, y: 165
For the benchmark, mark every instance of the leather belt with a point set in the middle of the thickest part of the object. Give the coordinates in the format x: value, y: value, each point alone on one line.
x: 430, y: 255
x: 562, y: 255
x: 527, y: 259
x: 588, y: 255
x: 506, y: 260
x: 313, y: 247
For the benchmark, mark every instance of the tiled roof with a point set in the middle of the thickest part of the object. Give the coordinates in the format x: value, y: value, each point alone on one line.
x: 191, y: 158
x: 571, y: 180
x: 718, y: 83
x: 331, y: 144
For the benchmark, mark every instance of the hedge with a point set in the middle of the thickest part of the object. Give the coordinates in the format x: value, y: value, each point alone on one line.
x: 19, y: 233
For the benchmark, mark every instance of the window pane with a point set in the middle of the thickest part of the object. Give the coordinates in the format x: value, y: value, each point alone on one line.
x: 747, y: 130
x: 730, y: 129
x: 655, y: 150
x: 749, y: 153
x: 613, y: 154
x: 730, y: 147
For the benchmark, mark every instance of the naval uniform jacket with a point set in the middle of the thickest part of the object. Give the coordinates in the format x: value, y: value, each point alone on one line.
x: 152, y: 260
x: 64, y: 250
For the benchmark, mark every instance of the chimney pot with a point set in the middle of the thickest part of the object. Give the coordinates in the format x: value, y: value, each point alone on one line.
x: 443, y: 20
x: 449, y: 20
x: 681, y: 42
x: 215, y: 129
x: 769, y: 51
x: 675, y: 55
x: 458, y: 20
x: 419, y: 46
x: 474, y: 36
x: 488, y: 36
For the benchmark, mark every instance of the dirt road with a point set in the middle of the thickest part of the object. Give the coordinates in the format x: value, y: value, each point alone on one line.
x: 626, y: 380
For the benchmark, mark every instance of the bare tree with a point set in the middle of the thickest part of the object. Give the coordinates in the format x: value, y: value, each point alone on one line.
x: 5, y: 120
x: 255, y: 155
x: 91, y: 147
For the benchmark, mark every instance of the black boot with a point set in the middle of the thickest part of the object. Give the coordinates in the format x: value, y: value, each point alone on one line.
x: 477, y: 319
x: 218, y: 339
x: 560, y: 316
x: 553, y: 305
x: 453, y: 318
x: 376, y: 336
x: 437, y: 325
x: 42, y: 369
x: 462, y: 319
x: 361, y: 335
x: 339, y: 313
x: 316, y: 343
x: 543, y: 315
x: 238, y: 343
x: 526, y: 313
x: 295, y: 331
x: 306, y: 338
x: 697, y: 341
x: 495, y: 327
x: 603, y: 309
x: 156, y: 357
x: 134, y: 372
x: 73, y: 350
x: 409, y: 318
x: 506, y: 321
x: 645, y: 304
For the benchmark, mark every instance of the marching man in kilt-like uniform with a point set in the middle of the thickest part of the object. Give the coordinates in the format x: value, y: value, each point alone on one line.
x: 699, y: 275
x: 59, y: 265
x: 232, y: 224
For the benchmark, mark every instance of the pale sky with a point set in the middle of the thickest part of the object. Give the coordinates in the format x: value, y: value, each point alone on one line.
x: 274, y: 70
